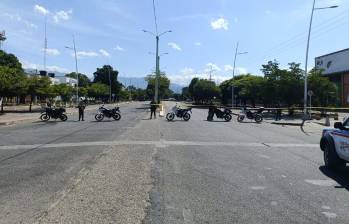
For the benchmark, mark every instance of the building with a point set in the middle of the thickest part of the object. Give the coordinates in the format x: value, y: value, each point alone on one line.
x: 56, y: 78
x: 335, y: 66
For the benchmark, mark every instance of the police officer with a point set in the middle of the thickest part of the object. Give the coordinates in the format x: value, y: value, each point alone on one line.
x: 152, y: 109
x: 81, y: 108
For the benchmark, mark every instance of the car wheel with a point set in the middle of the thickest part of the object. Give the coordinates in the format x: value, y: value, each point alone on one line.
x: 331, y: 158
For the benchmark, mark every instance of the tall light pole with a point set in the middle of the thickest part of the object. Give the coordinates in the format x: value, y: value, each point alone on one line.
x: 157, y: 73
x: 76, y: 69
x: 109, y: 84
x: 232, y: 86
x: 307, y: 55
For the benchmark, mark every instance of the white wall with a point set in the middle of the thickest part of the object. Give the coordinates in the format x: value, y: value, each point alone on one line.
x: 333, y: 63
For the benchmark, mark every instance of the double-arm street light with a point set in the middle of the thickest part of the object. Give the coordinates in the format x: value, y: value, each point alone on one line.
x: 76, y: 69
x: 237, y: 53
x: 307, y: 55
x: 157, y: 72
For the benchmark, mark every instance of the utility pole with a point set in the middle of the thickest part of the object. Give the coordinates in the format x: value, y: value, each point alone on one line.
x: 232, y: 86
x: 2, y: 39
x: 45, y: 42
x: 307, y: 56
x: 76, y: 68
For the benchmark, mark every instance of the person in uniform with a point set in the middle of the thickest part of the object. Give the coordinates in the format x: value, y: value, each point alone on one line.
x: 81, y: 108
x: 152, y: 109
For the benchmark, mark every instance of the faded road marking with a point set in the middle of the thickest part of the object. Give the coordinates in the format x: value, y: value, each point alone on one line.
x: 157, y: 143
x: 323, y: 183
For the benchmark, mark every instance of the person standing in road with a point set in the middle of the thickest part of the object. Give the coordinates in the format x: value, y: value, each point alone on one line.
x: 81, y: 108
x: 153, y: 107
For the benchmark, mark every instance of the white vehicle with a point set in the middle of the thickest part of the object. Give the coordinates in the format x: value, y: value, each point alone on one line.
x: 335, y: 145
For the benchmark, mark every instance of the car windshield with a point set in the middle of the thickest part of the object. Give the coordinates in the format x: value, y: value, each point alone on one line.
x: 174, y: 111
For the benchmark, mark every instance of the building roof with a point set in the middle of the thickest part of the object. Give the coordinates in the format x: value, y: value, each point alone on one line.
x: 325, y: 55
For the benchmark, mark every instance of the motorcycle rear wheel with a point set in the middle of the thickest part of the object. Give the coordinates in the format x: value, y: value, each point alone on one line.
x: 228, y: 117
x: 117, y: 116
x: 44, y: 117
x: 170, y: 116
x: 258, y: 118
x: 64, y: 117
x: 186, y: 117
x: 241, y: 118
x: 99, y: 117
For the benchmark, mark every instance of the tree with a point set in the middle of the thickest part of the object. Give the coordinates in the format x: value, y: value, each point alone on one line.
x: 10, y: 60
x: 12, y: 83
x: 102, y: 76
x: 38, y: 87
x: 164, y: 86
x: 84, y: 81
x: 64, y: 91
x: 191, y: 86
x: 98, y: 90
x: 205, y: 90
x: 185, y: 93
x: 325, y: 92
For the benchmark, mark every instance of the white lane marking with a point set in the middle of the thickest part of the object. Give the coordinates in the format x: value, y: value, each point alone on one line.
x: 157, y: 143
x: 268, y: 168
x: 283, y: 176
x: 257, y: 188
x: 326, y: 207
x: 188, y: 216
x: 323, y: 183
x: 330, y: 215
x: 264, y: 156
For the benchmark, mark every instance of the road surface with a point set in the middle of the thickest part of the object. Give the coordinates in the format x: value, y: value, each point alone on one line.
x: 153, y: 171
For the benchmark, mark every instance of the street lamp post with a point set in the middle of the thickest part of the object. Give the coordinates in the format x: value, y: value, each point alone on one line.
x: 157, y: 72
x: 307, y: 55
x: 232, y: 87
x: 76, y: 69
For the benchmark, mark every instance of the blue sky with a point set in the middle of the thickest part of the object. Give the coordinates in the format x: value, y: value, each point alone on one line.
x: 204, y: 34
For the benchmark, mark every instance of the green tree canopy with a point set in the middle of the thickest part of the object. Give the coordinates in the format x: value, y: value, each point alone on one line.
x: 98, y: 90
x: 84, y: 81
x: 205, y: 90
x: 102, y: 76
x: 164, y: 86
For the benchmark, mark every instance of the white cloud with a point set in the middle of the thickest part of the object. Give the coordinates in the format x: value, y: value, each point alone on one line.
x: 238, y: 70
x: 118, y: 48
x: 220, y: 23
x: 52, y: 52
x: 86, y: 54
x: 213, y: 67
x: 50, y: 68
x: 18, y: 18
x: 198, y: 44
x: 62, y: 15
x: 41, y: 10
x: 175, y: 46
x: 187, y: 71
x: 104, y: 53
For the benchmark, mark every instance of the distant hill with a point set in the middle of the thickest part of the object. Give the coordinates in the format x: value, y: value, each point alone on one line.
x: 139, y: 82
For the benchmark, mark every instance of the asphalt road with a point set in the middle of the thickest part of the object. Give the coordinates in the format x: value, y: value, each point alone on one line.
x: 153, y: 171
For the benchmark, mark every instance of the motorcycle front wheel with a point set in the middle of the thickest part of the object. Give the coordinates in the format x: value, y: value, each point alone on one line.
x: 258, y: 118
x: 64, y: 117
x: 44, y: 117
x: 99, y: 117
x: 170, y: 116
x: 228, y: 117
x: 186, y: 117
x: 241, y: 118
x: 117, y: 116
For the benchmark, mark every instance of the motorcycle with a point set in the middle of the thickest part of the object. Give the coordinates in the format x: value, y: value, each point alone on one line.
x: 181, y: 113
x: 55, y: 113
x: 225, y: 114
x: 257, y: 116
x: 109, y: 113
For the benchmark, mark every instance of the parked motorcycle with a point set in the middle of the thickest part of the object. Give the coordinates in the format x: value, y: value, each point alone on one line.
x: 55, y: 113
x: 109, y: 113
x: 225, y: 114
x: 257, y: 116
x: 180, y: 113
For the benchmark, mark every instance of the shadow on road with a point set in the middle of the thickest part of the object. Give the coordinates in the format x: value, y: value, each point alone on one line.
x: 341, y: 176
